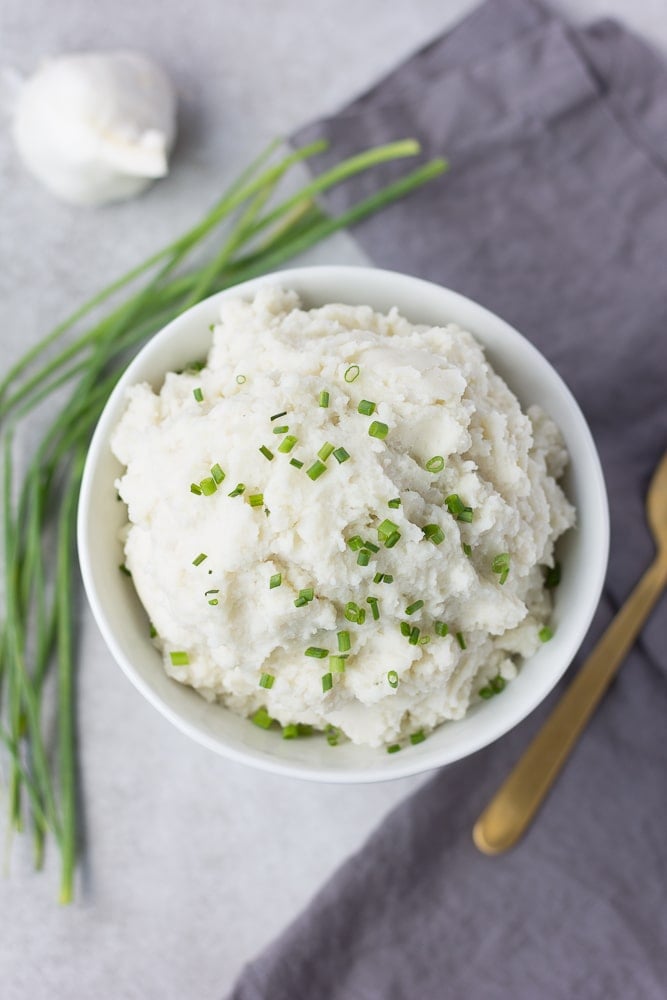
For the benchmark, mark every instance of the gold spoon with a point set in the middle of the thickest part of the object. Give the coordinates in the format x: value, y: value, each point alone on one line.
x: 514, y: 805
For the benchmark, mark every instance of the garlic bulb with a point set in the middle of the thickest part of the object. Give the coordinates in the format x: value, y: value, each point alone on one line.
x: 96, y: 127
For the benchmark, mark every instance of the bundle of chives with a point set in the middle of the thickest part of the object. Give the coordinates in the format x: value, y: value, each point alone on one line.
x: 37, y: 627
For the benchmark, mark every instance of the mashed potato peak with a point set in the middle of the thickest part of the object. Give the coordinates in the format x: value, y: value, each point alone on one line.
x: 436, y: 395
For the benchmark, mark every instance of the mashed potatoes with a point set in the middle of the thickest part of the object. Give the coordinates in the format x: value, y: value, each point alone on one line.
x: 374, y: 555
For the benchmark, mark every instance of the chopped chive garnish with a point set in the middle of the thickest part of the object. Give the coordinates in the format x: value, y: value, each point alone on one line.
x: 337, y: 664
x: 363, y: 557
x: 266, y: 452
x: 194, y: 488
x: 208, y: 486
x: 327, y: 682
x: 316, y: 470
x: 307, y: 593
x: 454, y: 504
x: 411, y: 608
x: 283, y: 429
x: 466, y: 515
x: 266, y: 680
x: 286, y: 446
x: 295, y: 462
x: 425, y: 639
x: 325, y: 451
x: 405, y: 629
x: 552, y: 576
x: 316, y: 652
x: 503, y: 576
x: 152, y: 631
x: 277, y: 416
x: 434, y: 533
x: 385, y: 529
x: 485, y: 692
x: 392, y: 679
x: 545, y: 634
x: 441, y: 628
x: 179, y: 659
x: 290, y: 732
x: 343, y: 642
x: 256, y: 499
x: 355, y: 543
x: 275, y: 581
x: 333, y: 735
x: 353, y: 613
x: 378, y: 578
x: 198, y: 560
x: 238, y: 490
x: 217, y: 473
x: 240, y: 379
x: 393, y: 538
x: 351, y: 373
x: 461, y: 640
x: 498, y: 684
x: 501, y: 565
x: 196, y: 366
x: 467, y: 549
x: 414, y: 636
x: 262, y: 718
x: 378, y: 430
x: 388, y: 578
x: 124, y: 570
x: 375, y: 611
x: 371, y: 546
x: 213, y: 602
x: 198, y: 394
x: 324, y: 398
x: 394, y: 748
x: 367, y: 407
x: 300, y: 602
x: 394, y: 503
x: 341, y: 455
x: 435, y: 464
x: 417, y: 737
x: 215, y: 590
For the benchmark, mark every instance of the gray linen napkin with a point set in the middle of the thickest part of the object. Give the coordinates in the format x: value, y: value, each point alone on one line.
x: 554, y: 214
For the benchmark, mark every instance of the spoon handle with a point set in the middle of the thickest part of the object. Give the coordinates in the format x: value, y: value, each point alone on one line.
x: 512, y: 808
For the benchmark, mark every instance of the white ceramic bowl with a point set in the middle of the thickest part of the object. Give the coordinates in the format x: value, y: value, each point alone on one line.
x: 583, y: 551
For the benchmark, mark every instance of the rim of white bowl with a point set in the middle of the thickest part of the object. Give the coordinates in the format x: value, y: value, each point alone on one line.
x: 355, y: 279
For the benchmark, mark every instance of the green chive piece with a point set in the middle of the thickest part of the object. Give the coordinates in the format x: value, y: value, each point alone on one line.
x: 179, y: 659
x: 152, y: 631
x: 213, y: 591
x: 307, y: 593
x: 454, y: 504
x: 333, y: 735
x: 241, y: 379
x: 371, y: 546
x: 395, y: 503
x: 434, y: 533
x: 411, y: 608
x: 290, y: 732
x: 424, y: 640
x: 283, y: 429
x: 367, y: 407
x: 256, y: 499
x: 343, y: 642
x: 337, y: 664
x: 485, y: 692
x: 355, y: 543
x: 498, y: 684
x: 375, y: 611
x: 441, y: 628
x: 327, y: 682
x: 266, y: 680
x: 262, y: 718
x: 287, y: 444
x: 364, y: 557
x: 300, y: 602
x: 208, y: 486
x: 238, y: 490
x: 199, y: 559
x: 385, y: 529
x: 414, y: 636
x: 552, y: 576
x: 316, y: 652
x: 392, y: 678
x: 405, y: 629
x: 124, y: 570
x: 213, y: 602
x: 324, y: 398
x: 394, y: 748
x: 351, y: 373
x: 545, y: 634
x: 353, y: 613
x: 277, y: 416
x: 266, y: 453
x: 196, y: 366
x: 316, y: 470
x: 388, y: 578
x: 341, y: 455
x: 435, y: 464
x: 378, y: 578
x: 461, y: 640
x: 275, y: 581
x: 466, y: 515
x: 325, y: 451
x: 217, y: 473
x: 467, y: 549
x: 295, y: 462
x: 194, y: 488
x: 378, y: 430
x: 501, y: 565
x: 393, y: 538
x: 198, y: 394
x: 417, y: 737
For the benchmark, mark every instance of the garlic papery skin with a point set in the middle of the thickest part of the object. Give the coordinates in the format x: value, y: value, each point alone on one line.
x: 96, y: 127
